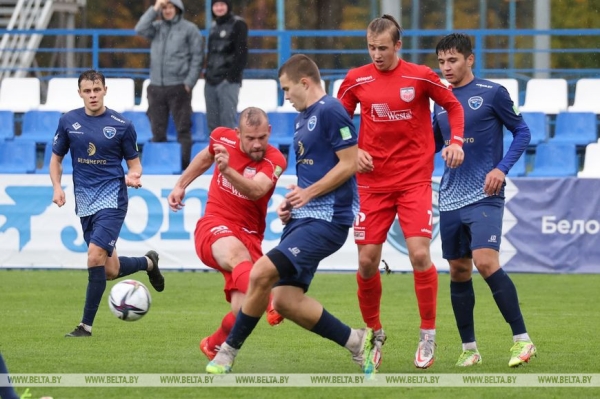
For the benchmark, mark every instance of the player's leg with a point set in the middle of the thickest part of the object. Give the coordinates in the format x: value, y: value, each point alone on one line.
x: 415, y: 214
x: 180, y: 104
x: 486, y: 234
x: 370, y: 231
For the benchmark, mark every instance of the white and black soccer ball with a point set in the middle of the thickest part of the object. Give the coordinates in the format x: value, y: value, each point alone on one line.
x: 129, y: 300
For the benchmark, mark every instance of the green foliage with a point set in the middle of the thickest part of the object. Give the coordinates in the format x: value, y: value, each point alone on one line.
x: 38, y: 307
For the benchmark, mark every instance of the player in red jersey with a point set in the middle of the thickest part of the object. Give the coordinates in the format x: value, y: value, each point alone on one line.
x: 228, y: 237
x: 395, y: 165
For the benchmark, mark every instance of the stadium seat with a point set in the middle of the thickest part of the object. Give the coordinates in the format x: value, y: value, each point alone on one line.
x: 67, y: 162
x: 7, y: 125
x: 291, y: 161
x: 19, y: 94
x: 39, y: 126
x: 336, y: 87
x: 198, y: 99
x: 161, y: 158
x: 261, y: 93
x: 591, y: 162
x: 538, y: 127
x: 554, y: 160
x: 282, y: 127
x: 549, y: 96
x: 587, y: 96
x: 62, y: 95
x: 519, y: 168
x: 438, y: 164
x: 143, y: 105
x: 17, y: 156
x: 120, y: 94
x: 577, y: 128
x: 141, y: 123
x: 512, y: 86
x: 200, y: 131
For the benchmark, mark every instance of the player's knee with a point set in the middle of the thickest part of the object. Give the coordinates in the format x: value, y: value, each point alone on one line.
x: 368, y: 264
x: 420, y: 258
x: 111, y: 275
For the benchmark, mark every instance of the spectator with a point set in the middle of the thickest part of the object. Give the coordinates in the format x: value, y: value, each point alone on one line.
x: 175, y: 64
x: 225, y: 62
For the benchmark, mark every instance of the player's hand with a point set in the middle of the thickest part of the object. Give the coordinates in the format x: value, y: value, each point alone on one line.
x: 133, y: 179
x: 493, y: 182
x: 221, y: 157
x: 284, y: 211
x: 297, y: 197
x: 365, y: 162
x: 453, y: 155
x: 59, y: 197
x: 175, y: 199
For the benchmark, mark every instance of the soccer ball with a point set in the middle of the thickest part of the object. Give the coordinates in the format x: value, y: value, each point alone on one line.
x: 129, y: 300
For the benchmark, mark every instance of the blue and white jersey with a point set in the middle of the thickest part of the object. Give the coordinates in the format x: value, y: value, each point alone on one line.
x: 98, y: 145
x: 487, y: 108
x: 320, y: 131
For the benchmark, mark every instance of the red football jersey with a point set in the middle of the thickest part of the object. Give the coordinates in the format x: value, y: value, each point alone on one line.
x: 395, y: 121
x: 224, y: 200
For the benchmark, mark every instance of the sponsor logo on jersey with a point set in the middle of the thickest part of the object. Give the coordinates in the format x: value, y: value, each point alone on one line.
x: 482, y: 85
x: 364, y: 78
x: 109, y: 132
x: 228, y: 141
x: 475, y: 102
x: 117, y: 119
x: 407, y: 94
x: 249, y: 172
x: 312, y: 123
x: 383, y: 113
x: 76, y: 125
x: 345, y: 132
x: 91, y: 149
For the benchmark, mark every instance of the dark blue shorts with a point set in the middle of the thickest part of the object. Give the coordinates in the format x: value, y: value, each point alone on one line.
x: 475, y: 226
x: 305, y: 243
x: 103, y: 228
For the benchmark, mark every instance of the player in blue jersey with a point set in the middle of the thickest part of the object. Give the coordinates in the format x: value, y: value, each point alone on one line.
x: 472, y: 196
x: 317, y: 213
x: 99, y: 139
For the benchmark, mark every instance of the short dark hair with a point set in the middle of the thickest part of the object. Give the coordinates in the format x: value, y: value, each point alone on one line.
x: 300, y: 66
x: 93, y: 76
x: 386, y: 23
x: 253, y: 116
x: 455, y: 41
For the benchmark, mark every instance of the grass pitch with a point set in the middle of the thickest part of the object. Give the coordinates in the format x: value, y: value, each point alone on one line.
x: 38, y: 307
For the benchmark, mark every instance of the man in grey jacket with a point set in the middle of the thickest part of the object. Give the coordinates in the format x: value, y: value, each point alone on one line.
x: 175, y: 62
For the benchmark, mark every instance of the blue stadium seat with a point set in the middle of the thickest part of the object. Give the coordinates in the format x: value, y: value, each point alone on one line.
x: 161, y: 158
x: 67, y: 162
x: 196, y: 148
x: 7, y: 125
x: 291, y: 161
x: 282, y: 127
x: 39, y: 126
x: 519, y: 169
x: 438, y: 164
x: 17, y: 156
x: 577, y: 128
x: 200, y: 131
x: 555, y: 160
x: 538, y: 126
x: 141, y: 123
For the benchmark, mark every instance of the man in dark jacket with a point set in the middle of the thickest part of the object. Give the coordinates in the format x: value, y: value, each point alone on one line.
x: 175, y: 64
x: 226, y: 59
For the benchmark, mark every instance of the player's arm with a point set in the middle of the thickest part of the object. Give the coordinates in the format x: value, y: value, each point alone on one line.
x: 254, y: 188
x: 347, y: 97
x: 56, y: 171
x: 338, y: 175
x: 200, y: 164
x: 134, y: 173
x: 438, y: 137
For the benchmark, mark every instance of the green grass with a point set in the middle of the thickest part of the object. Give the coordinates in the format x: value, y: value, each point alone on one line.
x: 38, y: 307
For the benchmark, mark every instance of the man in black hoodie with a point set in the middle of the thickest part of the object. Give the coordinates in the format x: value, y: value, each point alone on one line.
x: 226, y: 59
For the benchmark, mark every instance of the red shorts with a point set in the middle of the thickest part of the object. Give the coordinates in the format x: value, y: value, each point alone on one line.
x: 378, y: 210
x: 211, y: 228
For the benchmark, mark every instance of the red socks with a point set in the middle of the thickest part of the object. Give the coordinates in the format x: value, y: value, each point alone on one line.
x: 369, y: 299
x: 219, y: 336
x: 426, y: 288
x: 241, y: 276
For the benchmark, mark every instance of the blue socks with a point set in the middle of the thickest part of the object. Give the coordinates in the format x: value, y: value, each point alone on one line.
x: 505, y: 295
x: 462, y: 297
x: 243, y: 327
x: 95, y: 289
x: 331, y: 328
x: 130, y: 265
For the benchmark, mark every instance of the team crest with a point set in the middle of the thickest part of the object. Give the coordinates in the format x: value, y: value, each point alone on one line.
x: 312, y: 123
x: 249, y: 172
x: 475, y: 102
x: 407, y: 94
x: 109, y: 132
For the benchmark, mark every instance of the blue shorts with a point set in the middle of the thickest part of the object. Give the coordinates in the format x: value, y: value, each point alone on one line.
x: 304, y: 244
x: 478, y: 225
x: 103, y: 228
